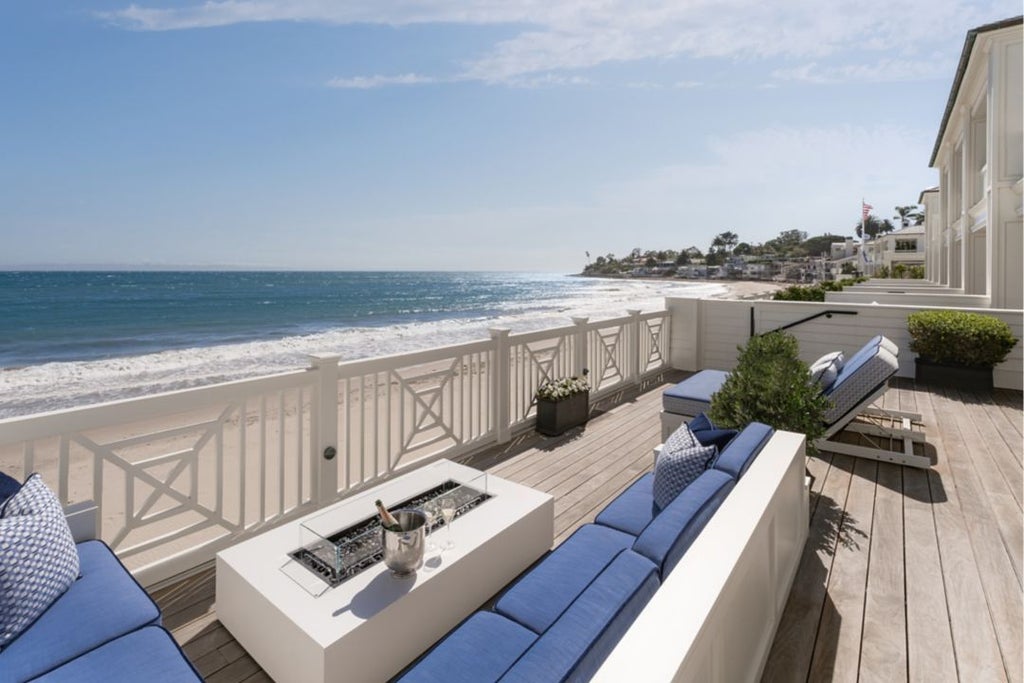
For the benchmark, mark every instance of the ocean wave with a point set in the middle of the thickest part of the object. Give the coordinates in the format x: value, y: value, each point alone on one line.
x: 58, y: 385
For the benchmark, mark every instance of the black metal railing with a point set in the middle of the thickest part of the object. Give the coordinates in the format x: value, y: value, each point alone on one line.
x: 827, y: 314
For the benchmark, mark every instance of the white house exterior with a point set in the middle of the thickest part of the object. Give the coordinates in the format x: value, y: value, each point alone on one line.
x: 976, y: 215
x: 904, y: 246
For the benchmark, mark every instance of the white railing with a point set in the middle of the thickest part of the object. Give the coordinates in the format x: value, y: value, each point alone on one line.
x: 178, y: 476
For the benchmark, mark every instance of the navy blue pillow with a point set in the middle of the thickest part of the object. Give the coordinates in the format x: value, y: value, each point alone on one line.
x: 700, y: 423
x: 8, y: 487
x: 717, y: 437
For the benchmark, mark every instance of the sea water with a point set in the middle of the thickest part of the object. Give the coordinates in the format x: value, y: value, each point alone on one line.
x: 72, y: 338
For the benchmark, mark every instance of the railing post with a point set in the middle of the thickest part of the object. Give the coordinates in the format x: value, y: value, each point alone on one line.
x: 501, y: 381
x: 326, y: 430
x: 580, y: 357
x: 634, y: 346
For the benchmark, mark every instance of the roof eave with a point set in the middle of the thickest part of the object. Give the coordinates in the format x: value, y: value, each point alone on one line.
x: 961, y: 69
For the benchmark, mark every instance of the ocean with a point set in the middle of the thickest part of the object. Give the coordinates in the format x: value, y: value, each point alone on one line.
x: 74, y: 338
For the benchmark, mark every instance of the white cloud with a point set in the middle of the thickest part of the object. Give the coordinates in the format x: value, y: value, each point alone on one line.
x: 883, y: 71
x: 367, y: 82
x: 577, y: 34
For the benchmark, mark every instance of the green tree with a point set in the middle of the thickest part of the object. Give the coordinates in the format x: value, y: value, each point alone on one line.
x: 683, y: 258
x: 725, y: 241
x: 820, y: 244
x: 874, y: 227
x: 787, y: 242
x: 742, y: 249
x: 770, y: 384
x: 848, y: 269
x: 909, y: 215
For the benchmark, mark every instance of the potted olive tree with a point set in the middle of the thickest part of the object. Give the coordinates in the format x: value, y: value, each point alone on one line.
x: 562, y: 404
x: 770, y: 384
x: 957, y: 348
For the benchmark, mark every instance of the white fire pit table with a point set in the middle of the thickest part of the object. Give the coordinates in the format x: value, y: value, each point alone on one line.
x: 369, y: 627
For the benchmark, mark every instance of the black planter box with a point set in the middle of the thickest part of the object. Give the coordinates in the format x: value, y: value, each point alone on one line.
x: 556, y: 417
x: 953, y: 376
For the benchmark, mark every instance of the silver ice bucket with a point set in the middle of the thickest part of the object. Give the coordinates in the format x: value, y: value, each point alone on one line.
x: 403, y: 550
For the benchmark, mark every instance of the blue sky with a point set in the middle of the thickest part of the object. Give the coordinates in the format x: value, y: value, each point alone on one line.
x: 488, y: 134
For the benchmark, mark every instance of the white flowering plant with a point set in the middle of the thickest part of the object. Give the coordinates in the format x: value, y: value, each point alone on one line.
x: 560, y: 389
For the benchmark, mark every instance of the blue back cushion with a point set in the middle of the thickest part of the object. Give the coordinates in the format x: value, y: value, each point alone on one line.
x: 8, y: 487
x: 669, y: 535
x: 741, y: 451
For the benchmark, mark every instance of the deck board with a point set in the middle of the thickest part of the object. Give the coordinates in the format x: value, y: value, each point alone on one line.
x: 907, y: 574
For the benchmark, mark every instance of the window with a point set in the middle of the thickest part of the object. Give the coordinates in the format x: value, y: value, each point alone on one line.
x: 906, y: 245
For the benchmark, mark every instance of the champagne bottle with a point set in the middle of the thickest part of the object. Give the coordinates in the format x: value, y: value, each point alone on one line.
x: 387, y: 520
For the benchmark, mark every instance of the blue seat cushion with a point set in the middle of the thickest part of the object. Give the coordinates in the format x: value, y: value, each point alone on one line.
x: 578, y: 643
x: 104, y: 603
x: 633, y: 509
x: 540, y: 597
x: 149, y: 654
x: 481, y: 649
x: 669, y: 535
x: 741, y: 451
x: 692, y: 396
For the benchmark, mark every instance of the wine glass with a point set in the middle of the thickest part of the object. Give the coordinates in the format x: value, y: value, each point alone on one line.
x: 448, y: 512
x: 431, y: 510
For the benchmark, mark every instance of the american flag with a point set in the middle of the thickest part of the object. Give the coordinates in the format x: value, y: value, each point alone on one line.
x: 864, y: 209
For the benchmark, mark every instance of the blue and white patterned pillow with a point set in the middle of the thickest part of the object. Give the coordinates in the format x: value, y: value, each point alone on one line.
x: 38, y: 557
x: 680, y: 462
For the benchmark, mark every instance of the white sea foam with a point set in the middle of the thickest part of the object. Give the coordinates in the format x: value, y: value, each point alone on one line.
x: 53, y: 386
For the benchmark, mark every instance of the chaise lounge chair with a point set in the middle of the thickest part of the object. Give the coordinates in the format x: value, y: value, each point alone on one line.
x: 860, y: 382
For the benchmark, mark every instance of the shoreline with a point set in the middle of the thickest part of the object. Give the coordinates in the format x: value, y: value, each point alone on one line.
x: 734, y: 289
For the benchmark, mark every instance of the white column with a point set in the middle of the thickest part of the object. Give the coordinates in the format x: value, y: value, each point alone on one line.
x: 500, y: 380
x: 633, y: 358
x: 580, y: 360
x: 325, y: 431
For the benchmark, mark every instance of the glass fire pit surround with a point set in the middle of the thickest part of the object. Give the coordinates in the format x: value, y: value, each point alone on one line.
x: 331, y: 549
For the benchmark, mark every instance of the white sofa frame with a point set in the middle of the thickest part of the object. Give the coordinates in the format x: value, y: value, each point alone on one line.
x: 714, y: 618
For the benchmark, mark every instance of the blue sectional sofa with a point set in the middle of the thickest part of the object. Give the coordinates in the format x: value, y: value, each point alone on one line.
x: 104, y: 627
x: 560, y: 620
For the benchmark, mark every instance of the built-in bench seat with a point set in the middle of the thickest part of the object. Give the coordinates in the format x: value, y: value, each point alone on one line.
x: 103, y: 627
x: 561, y: 619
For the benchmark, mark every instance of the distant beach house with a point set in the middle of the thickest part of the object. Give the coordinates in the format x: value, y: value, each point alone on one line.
x: 973, y: 223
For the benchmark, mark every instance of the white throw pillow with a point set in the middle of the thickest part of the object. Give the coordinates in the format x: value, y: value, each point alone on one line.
x: 825, y: 370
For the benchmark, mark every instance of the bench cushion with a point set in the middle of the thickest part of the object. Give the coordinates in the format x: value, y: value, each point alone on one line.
x: 578, y: 643
x: 149, y: 654
x: 633, y: 509
x: 692, y: 396
x: 104, y: 603
x: 540, y: 597
x: 669, y: 535
x: 479, y: 650
x: 741, y: 451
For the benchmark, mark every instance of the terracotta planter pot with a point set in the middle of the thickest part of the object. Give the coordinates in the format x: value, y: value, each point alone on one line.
x: 953, y: 376
x: 556, y: 417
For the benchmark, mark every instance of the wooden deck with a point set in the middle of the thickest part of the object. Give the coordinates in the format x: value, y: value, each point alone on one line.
x: 907, y: 574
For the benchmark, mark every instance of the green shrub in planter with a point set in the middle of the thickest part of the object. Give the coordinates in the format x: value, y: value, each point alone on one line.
x: 959, y: 338
x: 770, y: 384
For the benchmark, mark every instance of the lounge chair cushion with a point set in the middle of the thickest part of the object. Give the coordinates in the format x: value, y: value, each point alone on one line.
x: 578, y: 643
x: 825, y: 370
x: 149, y: 654
x: 860, y: 377
x: 680, y: 462
x: 38, y: 561
x: 669, y: 534
x: 539, y: 598
x: 693, y: 395
x: 481, y: 649
x: 85, y: 617
x: 741, y: 451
